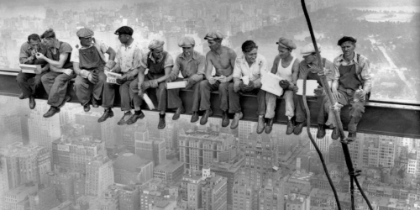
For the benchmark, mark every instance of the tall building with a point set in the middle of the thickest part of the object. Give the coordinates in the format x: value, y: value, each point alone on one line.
x: 150, y: 148
x: 260, y: 157
x: 129, y: 197
x: 99, y: 176
x: 131, y: 169
x: 297, y: 202
x: 269, y: 197
x: 18, y: 198
x: 199, y: 149
x: 193, y: 191
x: 231, y: 172
x: 44, y: 199
x: 73, y: 153
x: 323, y: 144
x: 63, y: 184
x: 244, y: 197
x: 21, y: 164
x: 214, y: 193
x: 169, y: 171
x: 379, y: 150
x: 11, y: 129
x: 245, y: 128
x: 43, y: 131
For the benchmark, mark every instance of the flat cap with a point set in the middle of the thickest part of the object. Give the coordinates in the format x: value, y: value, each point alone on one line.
x: 84, y: 33
x: 124, y: 30
x: 346, y: 39
x: 187, y: 41
x: 286, y: 43
x: 214, y: 35
x: 156, y: 43
x: 309, y: 49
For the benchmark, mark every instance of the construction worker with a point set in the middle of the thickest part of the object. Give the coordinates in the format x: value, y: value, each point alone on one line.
x: 286, y: 66
x: 249, y: 67
x: 191, y: 64
x: 159, y: 63
x: 351, y: 85
x: 27, y: 56
x: 309, y: 69
x: 222, y: 58
x: 60, y: 71
x: 89, y: 64
x: 128, y: 63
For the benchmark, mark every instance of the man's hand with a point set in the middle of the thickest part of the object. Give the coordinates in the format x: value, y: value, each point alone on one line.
x: 319, y: 91
x: 360, y: 95
x: 248, y: 87
x: 316, y: 70
x: 190, y: 82
x: 223, y: 78
x: 40, y: 56
x: 212, y: 80
x: 145, y: 85
x: 154, y: 83
x: 284, y: 84
x: 122, y: 80
x: 335, y: 93
x: 93, y: 77
x: 68, y: 71
x: 257, y: 84
x: 237, y: 86
x: 140, y: 93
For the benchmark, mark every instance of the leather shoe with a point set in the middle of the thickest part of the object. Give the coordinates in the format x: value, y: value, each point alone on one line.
x: 290, y: 127
x: 351, y: 137
x: 335, y: 134
x: 32, y: 103
x: 321, y: 132
x: 269, y: 126
x: 235, y: 121
x: 133, y: 119
x: 108, y: 113
x: 178, y: 113
x: 52, y: 111
x: 86, y: 108
x: 123, y: 120
x: 225, y: 119
x: 194, y: 117
x: 261, y: 124
x: 21, y: 96
x: 162, y: 122
x: 298, y: 128
x: 206, y: 116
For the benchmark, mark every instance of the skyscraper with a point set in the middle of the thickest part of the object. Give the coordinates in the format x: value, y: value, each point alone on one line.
x: 131, y: 169
x: 99, y: 175
x: 214, y: 193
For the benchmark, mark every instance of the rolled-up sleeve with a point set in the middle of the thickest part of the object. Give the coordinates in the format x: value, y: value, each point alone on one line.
x: 169, y: 61
x: 329, y: 70
x: 176, y: 68
x: 365, y: 73
x: 237, y: 70
x: 201, y: 65
x: 138, y: 60
x: 23, y: 55
x: 335, y: 66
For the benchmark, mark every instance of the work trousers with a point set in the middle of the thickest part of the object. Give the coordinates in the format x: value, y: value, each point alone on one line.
x: 55, y: 85
x: 234, y: 99
x: 301, y: 112
x: 205, y: 91
x: 160, y: 91
x: 85, y: 89
x: 271, y: 101
x: 28, y: 89
x: 174, y: 101
x: 127, y: 96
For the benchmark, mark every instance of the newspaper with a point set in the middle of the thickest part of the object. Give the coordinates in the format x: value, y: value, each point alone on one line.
x: 270, y: 83
x: 176, y: 85
x: 112, y: 77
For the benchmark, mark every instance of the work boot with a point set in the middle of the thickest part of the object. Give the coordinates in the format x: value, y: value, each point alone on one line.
x: 321, y: 131
x: 194, y: 117
x: 261, y: 124
x: 225, y: 119
x: 108, y: 113
x: 290, y: 126
x: 235, y: 121
x: 21, y: 96
x: 133, y: 119
x: 66, y: 99
x: 124, y: 118
x: 32, y: 103
x: 52, y: 111
x: 178, y: 113
x: 206, y: 116
x: 162, y: 123
x: 269, y: 126
x: 298, y: 128
x: 86, y: 108
x: 335, y: 134
x: 351, y: 137
x: 94, y: 103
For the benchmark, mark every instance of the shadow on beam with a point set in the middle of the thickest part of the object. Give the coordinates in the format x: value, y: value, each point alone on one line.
x: 380, y: 118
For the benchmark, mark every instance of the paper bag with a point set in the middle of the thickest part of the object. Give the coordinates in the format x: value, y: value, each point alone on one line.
x: 30, y: 69
x: 311, y: 85
x: 176, y: 85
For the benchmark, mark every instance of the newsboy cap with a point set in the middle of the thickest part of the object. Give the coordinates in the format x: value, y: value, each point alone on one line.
x: 346, y: 39
x: 156, y: 43
x: 124, y: 30
x: 187, y: 41
x: 214, y: 35
x: 309, y: 49
x: 286, y: 43
x: 84, y: 33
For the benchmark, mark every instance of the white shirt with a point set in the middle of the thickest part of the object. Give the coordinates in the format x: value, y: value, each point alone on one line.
x: 286, y: 73
x: 130, y: 57
x: 254, y: 72
x: 99, y: 45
